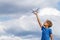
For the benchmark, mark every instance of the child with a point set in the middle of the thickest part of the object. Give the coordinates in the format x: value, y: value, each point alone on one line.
x: 46, y: 31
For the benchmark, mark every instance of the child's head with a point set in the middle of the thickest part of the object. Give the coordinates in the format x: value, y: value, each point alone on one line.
x: 48, y: 23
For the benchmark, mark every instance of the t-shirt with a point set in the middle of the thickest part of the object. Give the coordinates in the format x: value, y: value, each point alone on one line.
x: 46, y: 33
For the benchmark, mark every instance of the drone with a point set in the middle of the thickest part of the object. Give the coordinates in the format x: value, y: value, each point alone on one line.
x: 35, y: 11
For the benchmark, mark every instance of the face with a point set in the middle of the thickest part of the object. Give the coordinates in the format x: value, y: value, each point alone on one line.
x: 45, y: 24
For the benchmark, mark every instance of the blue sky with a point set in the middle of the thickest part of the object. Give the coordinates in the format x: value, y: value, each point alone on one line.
x: 17, y: 22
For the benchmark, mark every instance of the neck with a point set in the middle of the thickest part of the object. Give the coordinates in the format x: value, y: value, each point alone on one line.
x: 46, y: 26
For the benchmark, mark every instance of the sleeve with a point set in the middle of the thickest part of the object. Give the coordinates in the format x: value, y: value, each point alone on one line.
x: 42, y: 28
x: 50, y: 32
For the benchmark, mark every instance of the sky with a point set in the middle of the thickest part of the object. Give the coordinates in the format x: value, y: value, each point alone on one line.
x: 17, y: 22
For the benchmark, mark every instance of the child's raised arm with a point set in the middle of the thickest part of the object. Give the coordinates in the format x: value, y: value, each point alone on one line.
x: 38, y: 19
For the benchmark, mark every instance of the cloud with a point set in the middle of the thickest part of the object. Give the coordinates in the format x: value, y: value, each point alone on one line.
x: 49, y: 11
x: 16, y: 38
x: 13, y: 9
x: 10, y: 38
x: 9, y: 8
x: 23, y: 6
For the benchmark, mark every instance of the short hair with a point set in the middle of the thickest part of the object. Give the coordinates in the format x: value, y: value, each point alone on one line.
x: 49, y: 23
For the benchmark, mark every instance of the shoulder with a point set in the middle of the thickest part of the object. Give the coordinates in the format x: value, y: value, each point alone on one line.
x: 42, y: 27
x: 50, y: 31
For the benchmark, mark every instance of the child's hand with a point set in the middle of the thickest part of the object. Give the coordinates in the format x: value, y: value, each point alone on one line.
x: 36, y: 13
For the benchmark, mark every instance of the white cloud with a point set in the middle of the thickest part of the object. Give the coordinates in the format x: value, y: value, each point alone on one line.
x: 16, y: 38
x: 25, y: 22
x: 28, y: 22
x: 10, y: 38
x: 49, y: 11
